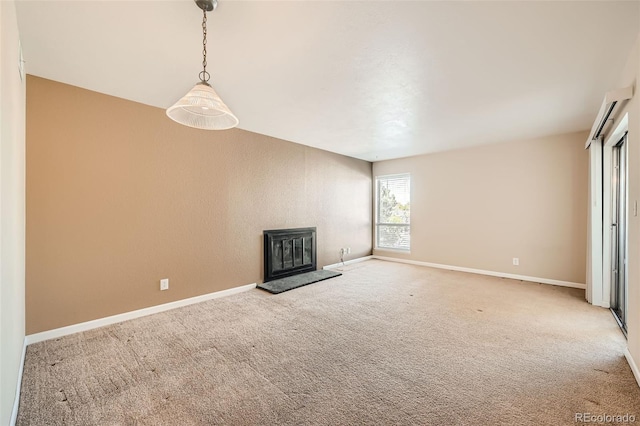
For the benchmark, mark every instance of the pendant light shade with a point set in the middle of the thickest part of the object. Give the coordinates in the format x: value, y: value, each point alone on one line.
x: 202, y: 108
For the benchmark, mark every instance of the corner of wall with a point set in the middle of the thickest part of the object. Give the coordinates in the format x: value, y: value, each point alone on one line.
x: 12, y: 214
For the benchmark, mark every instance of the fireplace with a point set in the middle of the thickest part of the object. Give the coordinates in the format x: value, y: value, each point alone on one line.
x: 289, y: 252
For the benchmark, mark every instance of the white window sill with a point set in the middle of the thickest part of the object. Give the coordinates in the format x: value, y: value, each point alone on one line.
x: 392, y: 250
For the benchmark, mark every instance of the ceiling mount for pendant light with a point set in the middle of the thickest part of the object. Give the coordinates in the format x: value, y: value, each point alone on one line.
x: 202, y: 108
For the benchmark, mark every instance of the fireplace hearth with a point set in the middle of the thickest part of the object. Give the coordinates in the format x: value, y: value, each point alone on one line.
x: 289, y: 252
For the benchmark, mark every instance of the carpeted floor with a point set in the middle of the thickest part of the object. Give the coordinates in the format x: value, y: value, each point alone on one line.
x: 384, y: 344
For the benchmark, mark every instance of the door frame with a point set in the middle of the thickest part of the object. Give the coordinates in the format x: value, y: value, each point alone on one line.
x: 601, y: 292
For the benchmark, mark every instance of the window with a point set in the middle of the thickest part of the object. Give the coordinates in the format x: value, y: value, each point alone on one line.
x: 393, y: 202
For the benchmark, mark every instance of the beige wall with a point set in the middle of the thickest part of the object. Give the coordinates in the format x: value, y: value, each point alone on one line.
x: 481, y: 207
x: 630, y: 76
x: 119, y: 196
x: 12, y: 210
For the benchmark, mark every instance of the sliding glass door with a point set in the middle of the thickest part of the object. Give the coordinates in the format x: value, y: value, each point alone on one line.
x: 619, y: 233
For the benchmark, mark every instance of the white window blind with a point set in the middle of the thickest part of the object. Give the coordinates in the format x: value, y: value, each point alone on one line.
x: 393, y: 212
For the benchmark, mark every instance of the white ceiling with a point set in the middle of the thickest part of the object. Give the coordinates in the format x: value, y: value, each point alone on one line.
x: 368, y: 79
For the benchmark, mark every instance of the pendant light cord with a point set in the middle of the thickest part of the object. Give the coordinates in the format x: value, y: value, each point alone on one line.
x: 204, y: 75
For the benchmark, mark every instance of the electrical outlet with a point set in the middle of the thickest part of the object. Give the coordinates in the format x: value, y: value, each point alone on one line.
x: 516, y: 261
x: 164, y: 284
x: 348, y: 250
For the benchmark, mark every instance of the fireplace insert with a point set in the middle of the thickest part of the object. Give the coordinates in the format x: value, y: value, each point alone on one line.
x: 289, y: 252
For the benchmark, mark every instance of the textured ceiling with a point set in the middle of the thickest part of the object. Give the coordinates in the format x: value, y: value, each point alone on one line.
x: 372, y: 79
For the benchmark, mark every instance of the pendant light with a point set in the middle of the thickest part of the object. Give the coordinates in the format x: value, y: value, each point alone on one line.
x: 202, y: 108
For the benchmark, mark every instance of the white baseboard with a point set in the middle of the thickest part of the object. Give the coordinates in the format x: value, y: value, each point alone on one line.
x: 483, y: 272
x: 348, y: 262
x: 16, y: 401
x: 101, y: 322
x: 632, y: 364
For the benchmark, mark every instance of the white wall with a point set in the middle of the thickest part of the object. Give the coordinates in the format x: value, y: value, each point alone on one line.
x: 12, y: 210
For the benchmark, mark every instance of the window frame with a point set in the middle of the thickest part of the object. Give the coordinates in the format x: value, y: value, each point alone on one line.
x: 377, y: 223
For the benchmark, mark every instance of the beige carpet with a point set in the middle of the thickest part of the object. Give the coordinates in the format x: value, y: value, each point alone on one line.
x: 384, y: 344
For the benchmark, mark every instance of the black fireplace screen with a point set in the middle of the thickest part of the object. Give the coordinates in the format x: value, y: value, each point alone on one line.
x: 289, y: 252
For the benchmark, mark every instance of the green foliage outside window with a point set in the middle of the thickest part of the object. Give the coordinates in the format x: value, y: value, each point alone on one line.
x: 393, y: 229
